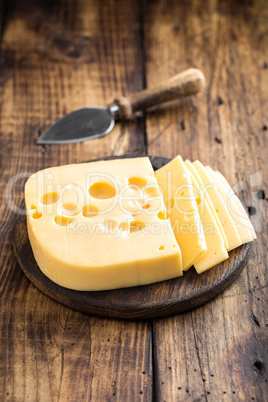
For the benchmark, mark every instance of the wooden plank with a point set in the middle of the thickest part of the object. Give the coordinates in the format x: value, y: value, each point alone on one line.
x: 218, y: 351
x: 52, y: 352
x: 56, y: 57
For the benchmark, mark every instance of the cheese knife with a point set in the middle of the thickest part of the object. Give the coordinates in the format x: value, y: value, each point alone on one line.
x: 94, y: 122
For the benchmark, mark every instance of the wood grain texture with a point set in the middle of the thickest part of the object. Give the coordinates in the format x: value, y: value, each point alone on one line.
x: 57, y: 56
x: 219, y: 351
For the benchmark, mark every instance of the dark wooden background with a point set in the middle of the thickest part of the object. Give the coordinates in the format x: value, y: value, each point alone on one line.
x: 57, y: 56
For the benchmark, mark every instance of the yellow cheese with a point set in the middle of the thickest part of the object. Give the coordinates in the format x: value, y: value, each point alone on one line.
x: 195, y: 174
x: 216, y: 251
x: 220, y: 207
x: 235, y: 208
x: 175, y: 184
x: 101, y: 225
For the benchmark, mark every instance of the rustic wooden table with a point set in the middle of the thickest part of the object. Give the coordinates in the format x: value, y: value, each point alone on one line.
x: 57, y: 56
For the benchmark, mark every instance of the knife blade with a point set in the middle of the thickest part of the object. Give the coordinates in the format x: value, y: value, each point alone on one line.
x: 80, y: 125
x: 93, y: 122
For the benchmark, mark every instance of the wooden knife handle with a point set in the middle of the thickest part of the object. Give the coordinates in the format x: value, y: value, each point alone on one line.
x: 187, y: 83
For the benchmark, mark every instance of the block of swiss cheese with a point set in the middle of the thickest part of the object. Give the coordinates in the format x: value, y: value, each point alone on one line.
x: 101, y: 225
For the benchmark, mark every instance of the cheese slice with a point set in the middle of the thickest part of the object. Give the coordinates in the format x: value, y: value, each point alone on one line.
x: 235, y: 208
x: 197, y: 177
x: 244, y: 233
x: 216, y: 251
x: 220, y: 207
x: 175, y: 184
x: 101, y: 225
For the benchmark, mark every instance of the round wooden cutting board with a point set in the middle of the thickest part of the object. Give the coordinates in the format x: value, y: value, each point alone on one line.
x: 143, y: 302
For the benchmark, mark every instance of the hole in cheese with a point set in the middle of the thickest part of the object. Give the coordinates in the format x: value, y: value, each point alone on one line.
x: 69, y: 206
x: 170, y: 204
x: 151, y: 191
x: 49, y: 198
x: 89, y: 211
x: 136, y: 182
x: 198, y: 200
x: 62, y: 220
x: 102, y: 190
x: 161, y: 215
x: 136, y: 226
x: 146, y: 206
x: 36, y: 215
x: 161, y: 248
x: 182, y: 193
x: 71, y: 196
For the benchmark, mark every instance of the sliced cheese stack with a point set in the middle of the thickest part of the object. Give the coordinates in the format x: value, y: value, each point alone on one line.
x: 220, y: 207
x: 176, y: 186
x: 225, y: 224
x: 235, y: 207
x: 216, y: 251
x: 101, y: 225
x: 204, y: 191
